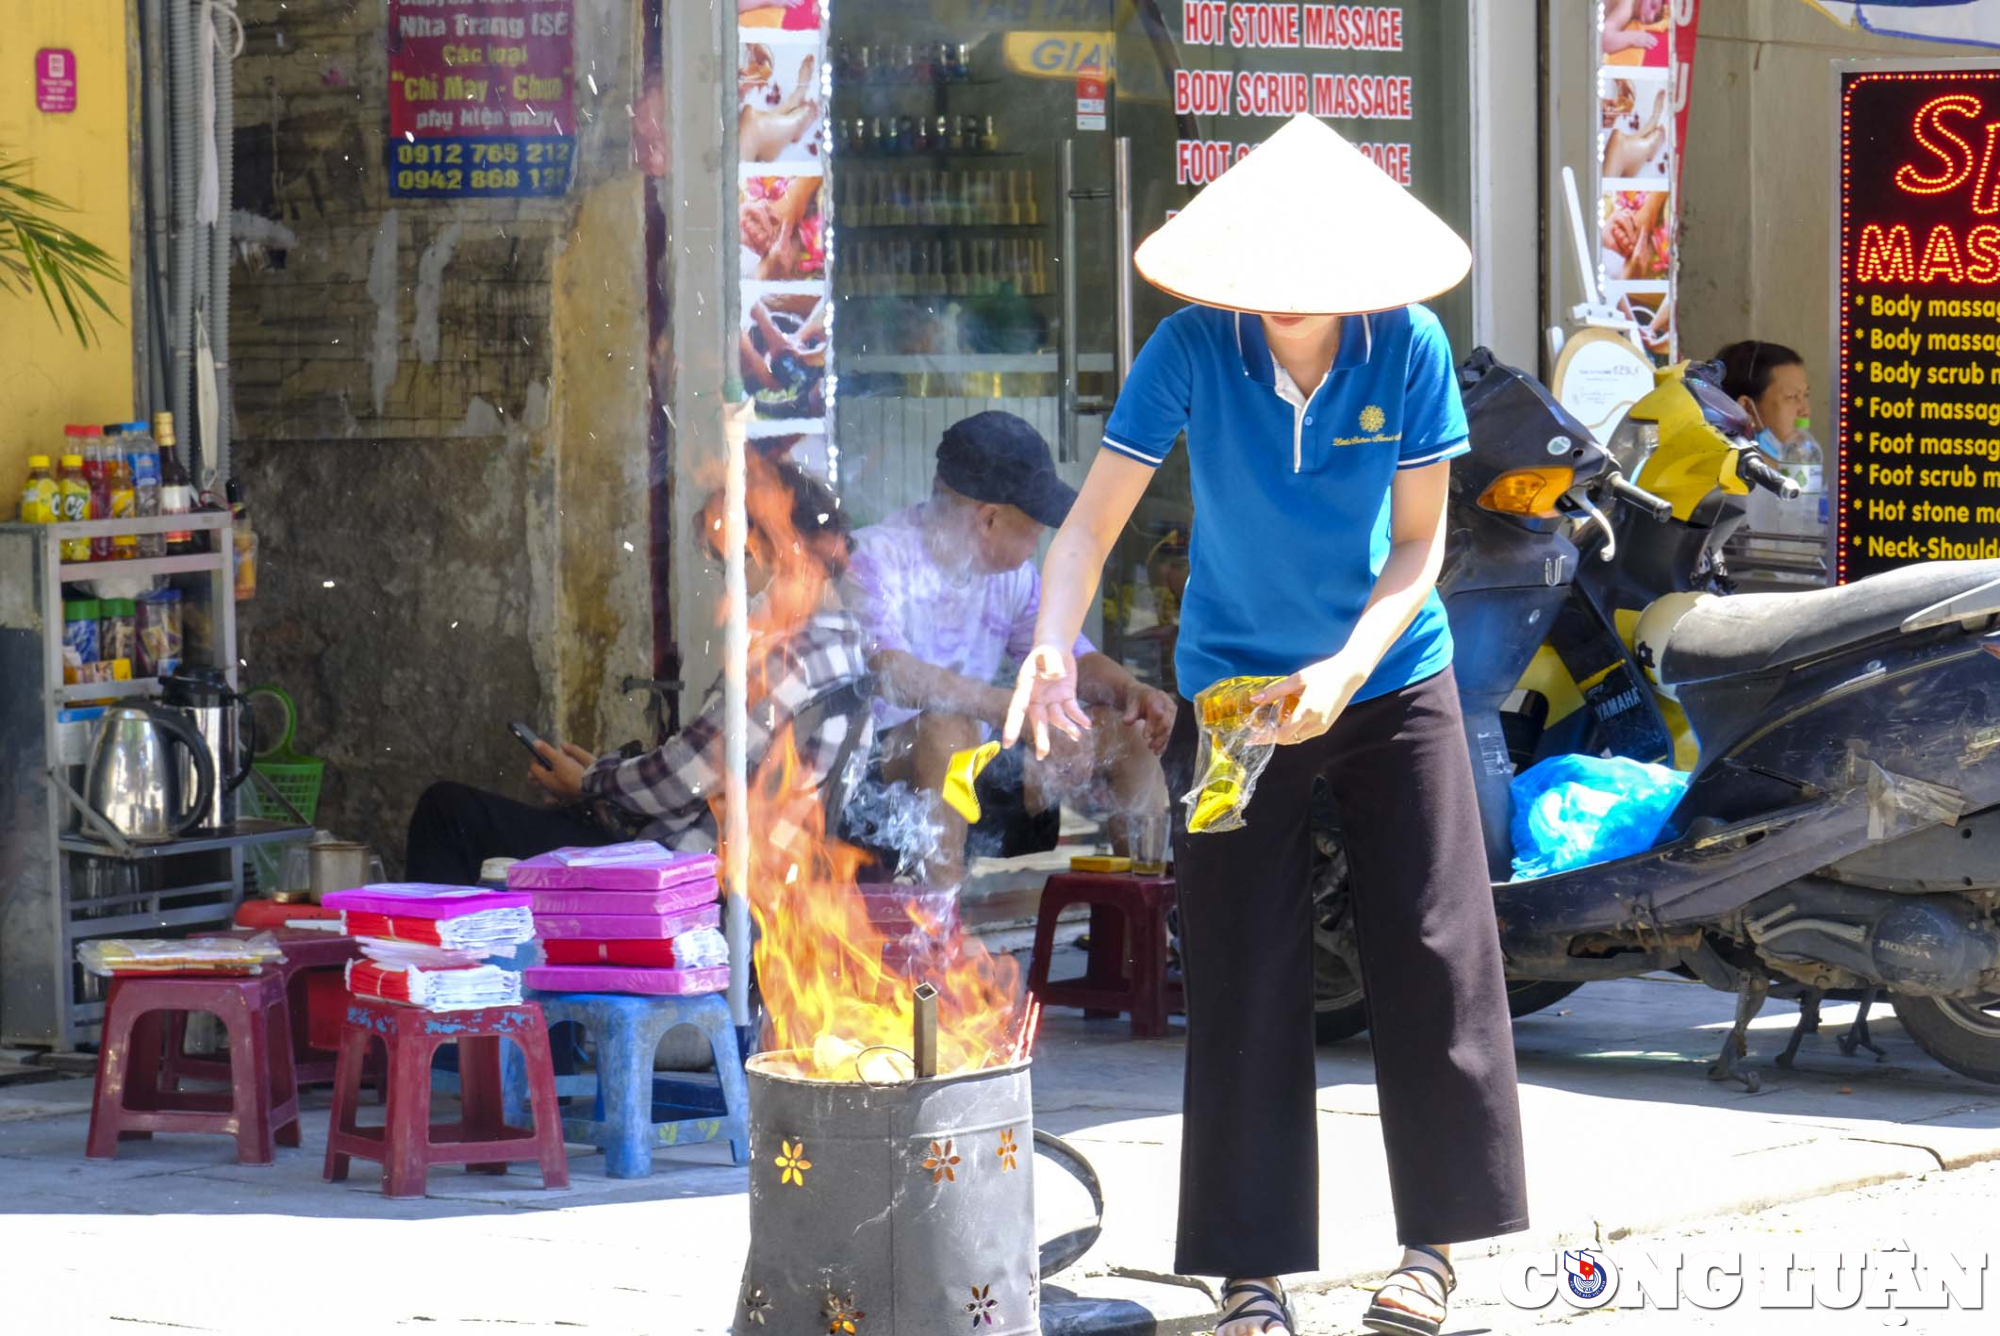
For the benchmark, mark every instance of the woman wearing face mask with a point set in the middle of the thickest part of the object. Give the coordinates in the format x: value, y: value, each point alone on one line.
x: 1769, y: 381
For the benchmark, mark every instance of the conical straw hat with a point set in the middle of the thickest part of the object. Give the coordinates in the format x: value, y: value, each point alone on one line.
x: 1304, y: 225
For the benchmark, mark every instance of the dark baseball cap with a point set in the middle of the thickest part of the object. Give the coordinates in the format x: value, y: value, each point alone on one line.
x: 998, y: 458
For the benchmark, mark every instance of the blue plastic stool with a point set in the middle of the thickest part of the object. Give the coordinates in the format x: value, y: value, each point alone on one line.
x: 634, y: 1110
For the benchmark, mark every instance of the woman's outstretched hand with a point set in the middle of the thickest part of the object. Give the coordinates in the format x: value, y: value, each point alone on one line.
x: 1045, y: 695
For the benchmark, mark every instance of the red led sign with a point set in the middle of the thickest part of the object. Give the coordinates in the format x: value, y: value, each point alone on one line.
x: 1919, y: 337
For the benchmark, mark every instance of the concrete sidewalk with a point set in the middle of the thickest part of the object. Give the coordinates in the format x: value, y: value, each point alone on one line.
x: 1624, y: 1136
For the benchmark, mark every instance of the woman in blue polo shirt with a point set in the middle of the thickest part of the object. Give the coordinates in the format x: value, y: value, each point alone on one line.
x: 1317, y: 442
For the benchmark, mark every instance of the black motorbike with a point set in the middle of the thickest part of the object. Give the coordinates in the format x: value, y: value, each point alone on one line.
x: 1837, y: 835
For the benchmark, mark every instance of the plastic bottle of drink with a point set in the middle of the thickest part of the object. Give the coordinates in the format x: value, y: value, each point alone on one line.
x: 73, y: 495
x: 38, y: 493
x: 245, y: 539
x: 91, y: 443
x: 118, y: 477
x: 1805, y: 464
x: 143, y: 457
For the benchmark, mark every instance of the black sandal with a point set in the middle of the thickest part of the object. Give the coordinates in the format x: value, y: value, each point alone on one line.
x: 1266, y: 1304
x: 1393, y: 1321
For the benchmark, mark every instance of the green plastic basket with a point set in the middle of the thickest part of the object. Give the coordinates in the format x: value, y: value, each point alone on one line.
x: 295, y: 777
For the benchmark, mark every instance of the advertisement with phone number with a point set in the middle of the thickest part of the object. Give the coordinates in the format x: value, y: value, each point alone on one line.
x: 481, y: 99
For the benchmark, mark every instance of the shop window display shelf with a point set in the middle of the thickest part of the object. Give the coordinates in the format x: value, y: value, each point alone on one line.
x: 53, y: 890
x: 969, y: 154
x: 1035, y: 228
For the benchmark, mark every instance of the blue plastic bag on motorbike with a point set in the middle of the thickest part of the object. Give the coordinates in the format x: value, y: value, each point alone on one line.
x: 1571, y: 811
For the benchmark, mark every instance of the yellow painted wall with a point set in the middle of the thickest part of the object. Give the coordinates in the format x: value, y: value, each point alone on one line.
x: 47, y: 378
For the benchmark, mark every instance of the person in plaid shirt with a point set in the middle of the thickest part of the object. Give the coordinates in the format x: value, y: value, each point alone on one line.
x: 804, y: 645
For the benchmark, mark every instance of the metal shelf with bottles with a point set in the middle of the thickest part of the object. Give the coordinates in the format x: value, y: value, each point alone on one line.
x: 75, y: 876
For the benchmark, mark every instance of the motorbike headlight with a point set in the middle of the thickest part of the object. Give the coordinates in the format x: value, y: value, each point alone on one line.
x: 1527, y: 491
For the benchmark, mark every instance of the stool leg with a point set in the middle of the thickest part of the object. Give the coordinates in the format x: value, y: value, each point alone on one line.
x: 514, y: 1088
x: 296, y: 1004
x: 347, y: 1065
x: 1106, y: 968
x: 250, y: 1083
x: 284, y: 1086
x: 174, y: 1025
x: 542, y: 1096
x: 143, y: 1071
x: 480, y: 1114
x: 114, y: 1057
x: 1045, y: 943
x: 1149, y: 975
x: 408, y: 1133
x: 625, y: 1085
x: 735, y: 1087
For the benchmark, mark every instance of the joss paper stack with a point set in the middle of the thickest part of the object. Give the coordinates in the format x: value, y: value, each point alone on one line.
x: 426, y: 945
x: 453, y: 988
x: 627, y: 918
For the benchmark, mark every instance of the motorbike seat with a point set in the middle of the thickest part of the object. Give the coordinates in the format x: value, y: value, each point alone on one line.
x: 1749, y: 633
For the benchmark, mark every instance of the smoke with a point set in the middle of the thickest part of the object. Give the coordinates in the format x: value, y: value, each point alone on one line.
x: 893, y: 819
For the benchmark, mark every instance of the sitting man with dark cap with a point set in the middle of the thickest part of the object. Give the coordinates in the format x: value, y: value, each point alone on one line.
x: 948, y: 593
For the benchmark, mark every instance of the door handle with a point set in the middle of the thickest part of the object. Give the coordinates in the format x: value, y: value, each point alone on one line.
x: 1066, y: 281
x: 1122, y: 186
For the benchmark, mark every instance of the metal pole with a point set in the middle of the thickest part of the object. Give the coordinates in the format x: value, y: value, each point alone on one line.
x: 736, y: 414
x: 1122, y: 201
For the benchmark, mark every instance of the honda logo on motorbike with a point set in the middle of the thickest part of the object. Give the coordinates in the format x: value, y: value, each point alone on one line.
x: 1589, y: 1278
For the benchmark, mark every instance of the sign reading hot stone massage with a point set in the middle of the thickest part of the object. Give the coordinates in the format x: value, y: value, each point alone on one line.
x: 1245, y: 69
x: 481, y: 98
x: 1919, y: 306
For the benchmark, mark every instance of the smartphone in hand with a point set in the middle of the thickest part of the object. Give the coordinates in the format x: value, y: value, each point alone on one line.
x: 526, y: 737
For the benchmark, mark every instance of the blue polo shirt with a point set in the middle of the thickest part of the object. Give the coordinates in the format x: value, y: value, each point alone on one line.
x: 1291, y: 491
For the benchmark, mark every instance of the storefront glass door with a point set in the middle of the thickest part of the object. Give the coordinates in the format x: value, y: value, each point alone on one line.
x: 993, y: 162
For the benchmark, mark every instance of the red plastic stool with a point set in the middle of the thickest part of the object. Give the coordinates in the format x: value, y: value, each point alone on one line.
x: 308, y: 955
x: 137, y: 1095
x: 409, y: 1143
x: 1107, y: 986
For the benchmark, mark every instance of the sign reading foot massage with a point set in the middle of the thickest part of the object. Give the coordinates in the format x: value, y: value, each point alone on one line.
x: 1919, y: 285
x: 481, y: 98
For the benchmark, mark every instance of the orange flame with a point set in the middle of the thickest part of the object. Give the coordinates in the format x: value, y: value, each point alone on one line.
x: 831, y: 1001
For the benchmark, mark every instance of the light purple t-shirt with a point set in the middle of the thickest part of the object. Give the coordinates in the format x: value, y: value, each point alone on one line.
x: 971, y: 624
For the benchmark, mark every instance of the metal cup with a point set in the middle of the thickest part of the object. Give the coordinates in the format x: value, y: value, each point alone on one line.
x: 338, y: 866
x: 1146, y: 832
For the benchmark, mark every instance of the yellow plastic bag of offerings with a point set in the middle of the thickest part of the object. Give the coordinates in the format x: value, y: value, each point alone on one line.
x: 1235, y: 747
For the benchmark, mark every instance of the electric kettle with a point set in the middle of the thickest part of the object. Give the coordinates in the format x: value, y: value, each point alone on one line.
x: 136, y: 781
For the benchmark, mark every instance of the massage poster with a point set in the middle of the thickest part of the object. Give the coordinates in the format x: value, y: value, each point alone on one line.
x: 1646, y: 54
x: 785, y: 235
x: 481, y: 98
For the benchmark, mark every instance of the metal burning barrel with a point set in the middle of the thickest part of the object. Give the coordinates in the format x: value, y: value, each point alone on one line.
x: 905, y: 1208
